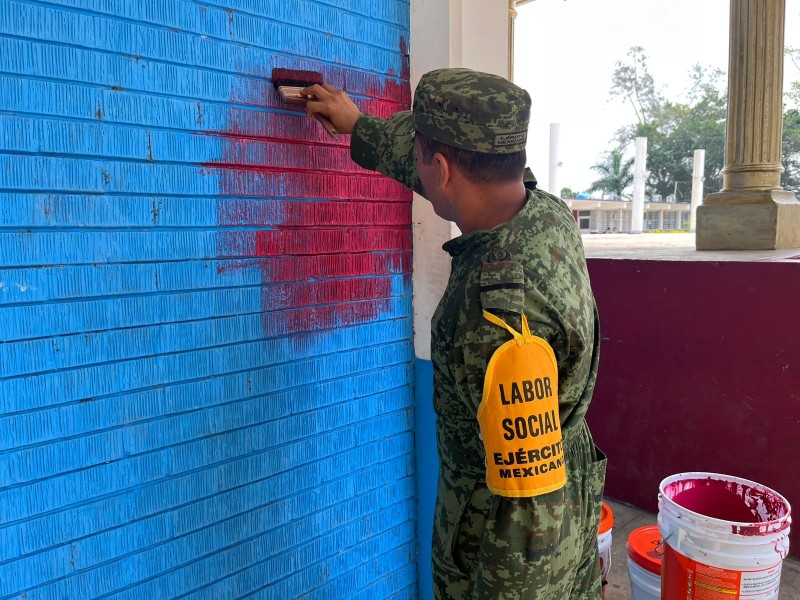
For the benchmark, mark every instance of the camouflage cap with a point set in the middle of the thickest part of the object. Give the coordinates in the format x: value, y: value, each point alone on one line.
x: 472, y: 110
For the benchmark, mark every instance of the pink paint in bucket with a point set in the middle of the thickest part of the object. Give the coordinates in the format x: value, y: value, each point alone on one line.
x: 724, y: 537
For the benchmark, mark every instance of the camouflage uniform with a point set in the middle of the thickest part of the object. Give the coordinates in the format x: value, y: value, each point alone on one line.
x: 488, y: 546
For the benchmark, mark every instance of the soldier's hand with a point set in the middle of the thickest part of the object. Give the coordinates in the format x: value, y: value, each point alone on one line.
x: 332, y: 103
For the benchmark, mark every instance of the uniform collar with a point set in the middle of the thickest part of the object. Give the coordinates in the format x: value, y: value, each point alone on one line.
x: 481, y: 237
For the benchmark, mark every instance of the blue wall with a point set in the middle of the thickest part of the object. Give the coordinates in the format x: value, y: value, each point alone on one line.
x: 427, y: 473
x: 206, y: 363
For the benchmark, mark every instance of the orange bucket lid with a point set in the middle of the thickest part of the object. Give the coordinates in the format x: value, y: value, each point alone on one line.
x: 606, y: 518
x: 643, y: 546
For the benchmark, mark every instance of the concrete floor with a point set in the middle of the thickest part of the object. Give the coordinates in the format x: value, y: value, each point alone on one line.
x: 628, y: 518
x: 671, y: 247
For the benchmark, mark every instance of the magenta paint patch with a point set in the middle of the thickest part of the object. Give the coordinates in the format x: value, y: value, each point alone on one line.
x: 323, y: 232
x: 732, y: 501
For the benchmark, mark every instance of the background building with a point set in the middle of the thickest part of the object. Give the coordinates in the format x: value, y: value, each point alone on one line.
x: 614, y: 216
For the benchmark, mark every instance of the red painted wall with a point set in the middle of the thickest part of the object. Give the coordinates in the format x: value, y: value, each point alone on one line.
x: 699, y: 371
x: 296, y: 207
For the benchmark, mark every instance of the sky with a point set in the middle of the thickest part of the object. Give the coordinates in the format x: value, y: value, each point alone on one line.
x: 565, y: 53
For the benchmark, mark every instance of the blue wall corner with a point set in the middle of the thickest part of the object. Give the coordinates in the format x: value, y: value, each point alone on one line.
x: 427, y: 472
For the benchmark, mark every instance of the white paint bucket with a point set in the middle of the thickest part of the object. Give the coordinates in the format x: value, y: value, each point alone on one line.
x: 723, y: 537
x: 604, y: 539
x: 644, y: 563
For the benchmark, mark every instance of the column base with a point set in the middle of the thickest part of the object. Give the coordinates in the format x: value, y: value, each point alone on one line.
x: 737, y: 220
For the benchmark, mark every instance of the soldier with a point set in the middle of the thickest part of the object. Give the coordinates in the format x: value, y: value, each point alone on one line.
x: 514, y: 341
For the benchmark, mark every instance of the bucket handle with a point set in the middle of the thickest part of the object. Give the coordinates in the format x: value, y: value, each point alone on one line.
x: 660, y: 546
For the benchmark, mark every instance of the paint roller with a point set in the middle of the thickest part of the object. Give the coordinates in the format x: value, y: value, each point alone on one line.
x: 289, y: 82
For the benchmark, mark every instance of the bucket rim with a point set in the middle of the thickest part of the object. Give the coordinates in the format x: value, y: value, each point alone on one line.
x: 638, y: 544
x: 606, y: 519
x: 738, y: 527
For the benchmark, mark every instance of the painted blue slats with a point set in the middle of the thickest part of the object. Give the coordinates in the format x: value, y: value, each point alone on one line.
x: 192, y: 500
x: 206, y: 376
x: 115, y: 67
x: 170, y: 542
x: 43, y: 136
x: 90, y: 383
x: 49, y: 174
x: 81, y: 486
x: 71, y: 317
x: 27, y: 94
x: 177, y: 35
x: 346, y: 583
x: 67, y: 456
x: 54, y: 247
x: 315, y: 561
x: 68, y: 282
x: 74, y: 351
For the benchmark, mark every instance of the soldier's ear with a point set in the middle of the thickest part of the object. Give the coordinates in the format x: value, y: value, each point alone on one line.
x: 444, y: 169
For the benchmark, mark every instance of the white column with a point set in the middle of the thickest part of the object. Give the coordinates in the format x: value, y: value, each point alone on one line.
x: 552, y: 182
x: 485, y: 35
x: 639, y: 177
x: 697, y: 186
x: 453, y: 33
x: 436, y: 43
x: 661, y: 220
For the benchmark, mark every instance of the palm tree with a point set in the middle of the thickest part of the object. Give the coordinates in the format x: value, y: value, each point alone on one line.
x: 616, y: 174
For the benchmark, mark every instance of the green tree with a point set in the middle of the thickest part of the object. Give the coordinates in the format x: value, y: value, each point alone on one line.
x: 793, y: 54
x: 679, y: 129
x: 674, y: 129
x: 790, y: 159
x: 616, y: 174
x: 633, y: 83
x: 566, y: 192
x: 790, y: 178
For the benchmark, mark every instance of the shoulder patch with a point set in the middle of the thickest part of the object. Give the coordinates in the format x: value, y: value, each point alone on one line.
x: 503, y: 286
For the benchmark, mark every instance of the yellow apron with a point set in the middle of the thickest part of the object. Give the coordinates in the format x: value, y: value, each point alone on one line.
x: 519, y: 419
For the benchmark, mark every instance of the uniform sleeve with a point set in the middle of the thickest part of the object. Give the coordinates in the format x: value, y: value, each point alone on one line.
x: 522, y: 535
x: 387, y: 146
x: 505, y: 294
x: 502, y: 294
